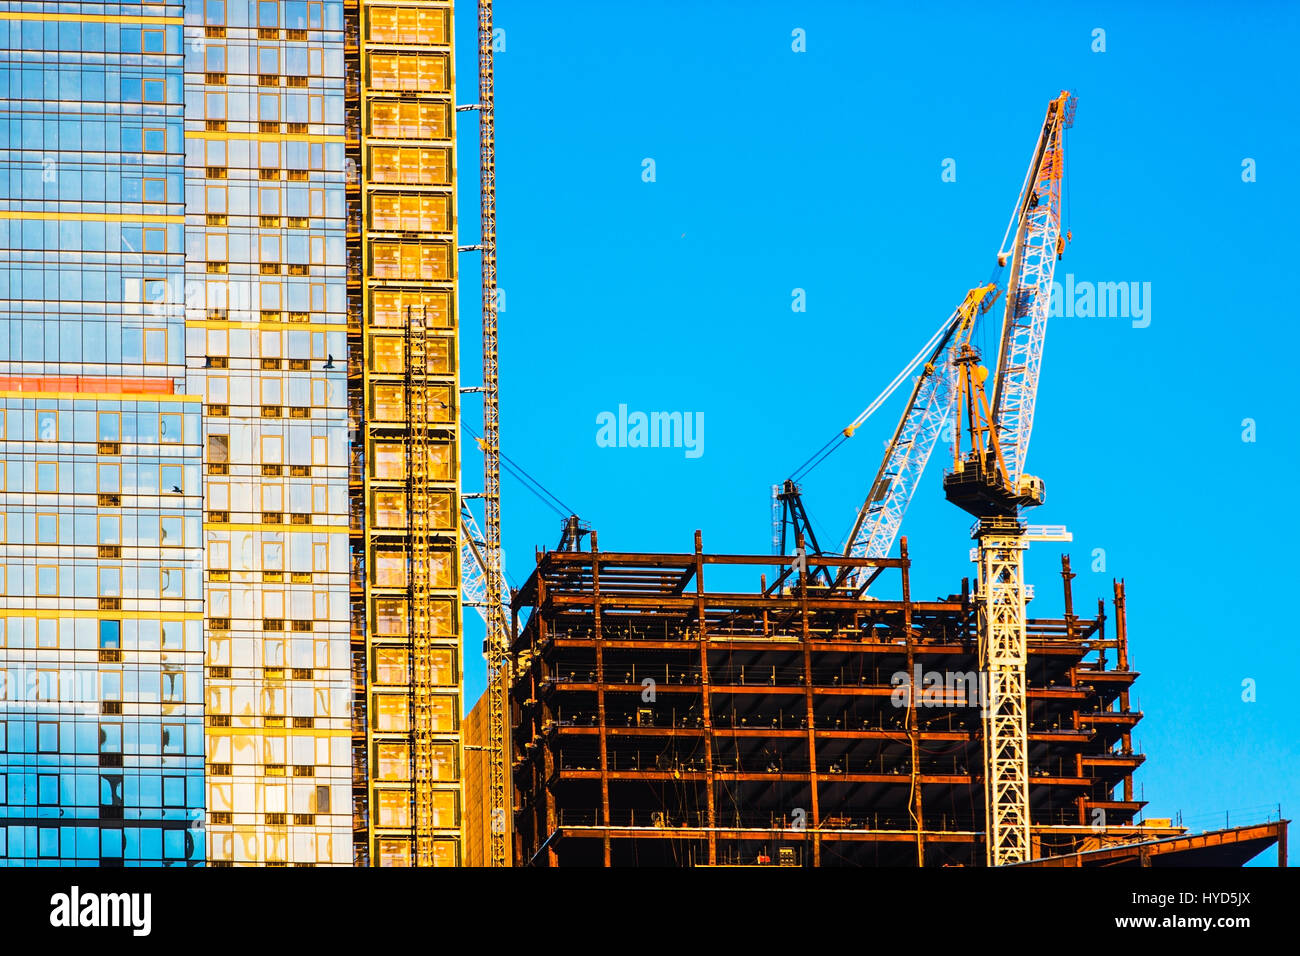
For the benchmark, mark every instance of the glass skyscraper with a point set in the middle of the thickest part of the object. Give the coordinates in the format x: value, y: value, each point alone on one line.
x: 225, y: 228
x: 101, y: 593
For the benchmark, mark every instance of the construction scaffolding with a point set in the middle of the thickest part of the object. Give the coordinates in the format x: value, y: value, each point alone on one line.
x: 657, y: 722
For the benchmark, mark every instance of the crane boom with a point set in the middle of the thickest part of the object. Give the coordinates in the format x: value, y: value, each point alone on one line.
x: 1037, y: 246
x: 473, y: 567
x: 924, y: 419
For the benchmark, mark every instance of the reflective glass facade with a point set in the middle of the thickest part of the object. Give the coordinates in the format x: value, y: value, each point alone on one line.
x: 229, y: 582
x: 267, y: 344
x: 101, y: 603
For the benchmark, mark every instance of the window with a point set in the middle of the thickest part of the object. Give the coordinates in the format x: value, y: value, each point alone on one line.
x: 169, y: 423
x: 171, y: 532
x: 47, y: 737
x: 152, y: 90
x: 47, y: 580
x: 153, y: 41
x: 388, y: 403
x: 173, y: 738
x: 173, y: 686
x: 392, y: 852
x: 47, y: 425
x: 155, y: 190
x: 390, y: 618
x: 110, y: 581
x: 110, y: 529
x: 173, y: 791
x: 272, y: 450
x: 110, y: 738
x: 47, y: 529
x: 444, y: 762
x: 155, y: 340
x: 155, y: 141
x: 170, y: 479
x: 394, y: 808
x: 390, y: 462
x: 272, y: 557
x: 390, y: 570
x: 110, y: 635
x: 214, y: 106
x: 47, y: 476
x: 392, y: 712
x: 394, y: 761
x: 387, y: 354
x: 442, y: 663
x: 218, y: 449
x: 268, y: 60
x: 391, y: 665
x: 109, y: 479
x: 47, y: 788
x: 214, y: 152
x: 444, y: 713
x: 110, y: 684
x: 214, y: 12
x: 214, y: 58
x: 389, y: 510
x: 171, y: 582
x: 268, y: 202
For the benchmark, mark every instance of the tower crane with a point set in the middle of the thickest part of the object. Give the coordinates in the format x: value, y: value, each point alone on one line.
x: 987, y: 479
x: 989, y: 482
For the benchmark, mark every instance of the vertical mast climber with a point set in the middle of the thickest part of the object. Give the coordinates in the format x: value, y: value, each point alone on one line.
x: 418, y: 439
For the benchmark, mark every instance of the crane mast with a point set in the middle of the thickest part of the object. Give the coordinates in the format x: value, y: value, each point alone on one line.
x: 988, y: 481
x: 497, y: 636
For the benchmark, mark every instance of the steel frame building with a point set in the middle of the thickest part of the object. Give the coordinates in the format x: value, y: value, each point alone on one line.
x: 658, y: 721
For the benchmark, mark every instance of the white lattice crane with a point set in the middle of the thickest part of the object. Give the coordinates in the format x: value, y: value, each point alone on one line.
x: 989, y: 482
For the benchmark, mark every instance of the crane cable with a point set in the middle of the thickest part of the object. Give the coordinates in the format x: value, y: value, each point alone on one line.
x: 527, y: 480
x: 847, y: 432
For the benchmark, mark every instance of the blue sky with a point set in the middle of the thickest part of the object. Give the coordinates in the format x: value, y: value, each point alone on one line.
x: 821, y: 170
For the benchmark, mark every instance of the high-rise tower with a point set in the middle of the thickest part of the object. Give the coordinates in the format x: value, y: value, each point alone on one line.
x: 101, y: 598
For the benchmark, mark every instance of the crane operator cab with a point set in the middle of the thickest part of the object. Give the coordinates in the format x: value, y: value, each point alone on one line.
x: 979, y: 486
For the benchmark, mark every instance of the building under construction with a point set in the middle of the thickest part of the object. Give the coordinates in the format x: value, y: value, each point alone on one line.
x: 658, y: 721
